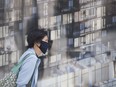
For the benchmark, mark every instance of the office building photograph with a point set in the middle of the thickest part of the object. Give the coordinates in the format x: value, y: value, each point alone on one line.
x: 82, y: 34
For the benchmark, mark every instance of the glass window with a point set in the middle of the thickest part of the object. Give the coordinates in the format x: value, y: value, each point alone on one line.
x: 114, y: 19
x: 70, y: 42
x: 1, y: 44
x: 65, y: 19
x: 92, y: 11
x: 88, y: 39
x: 69, y: 18
x: 99, y: 23
x: 17, y: 15
x: 99, y: 11
x: 43, y: 22
x: 88, y: 24
x: 93, y: 36
x: 76, y: 17
x: 45, y: 9
x: 70, y: 3
x: 40, y: 22
x: 0, y: 60
x: 53, y: 35
x: 93, y: 23
x: 103, y: 11
x: 76, y: 42
x: 82, y: 39
x: 82, y: 26
x: 58, y: 34
x: 87, y: 13
x: 52, y: 21
x: 83, y: 14
x: 58, y: 19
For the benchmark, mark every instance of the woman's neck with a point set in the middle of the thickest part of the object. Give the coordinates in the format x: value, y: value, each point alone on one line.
x: 37, y: 50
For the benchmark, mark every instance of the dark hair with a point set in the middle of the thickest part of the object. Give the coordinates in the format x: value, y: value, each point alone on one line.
x: 34, y: 36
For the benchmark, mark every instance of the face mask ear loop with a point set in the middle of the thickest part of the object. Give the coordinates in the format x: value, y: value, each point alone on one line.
x: 37, y: 45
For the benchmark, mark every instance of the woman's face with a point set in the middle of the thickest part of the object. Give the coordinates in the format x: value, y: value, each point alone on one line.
x: 44, y: 45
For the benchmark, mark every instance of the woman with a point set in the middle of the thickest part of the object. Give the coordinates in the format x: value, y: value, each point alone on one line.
x: 37, y: 44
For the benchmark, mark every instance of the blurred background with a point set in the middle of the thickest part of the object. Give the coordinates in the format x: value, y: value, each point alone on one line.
x: 81, y: 33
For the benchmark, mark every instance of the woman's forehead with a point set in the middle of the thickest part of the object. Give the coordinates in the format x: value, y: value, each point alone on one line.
x: 45, y: 38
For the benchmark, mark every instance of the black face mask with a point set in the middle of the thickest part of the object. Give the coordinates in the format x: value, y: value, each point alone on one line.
x: 44, y: 46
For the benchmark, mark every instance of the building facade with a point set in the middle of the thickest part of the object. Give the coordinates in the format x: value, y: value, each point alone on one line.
x: 81, y: 32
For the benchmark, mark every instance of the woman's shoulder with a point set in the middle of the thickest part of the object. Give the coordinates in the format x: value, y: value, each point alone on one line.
x: 29, y: 54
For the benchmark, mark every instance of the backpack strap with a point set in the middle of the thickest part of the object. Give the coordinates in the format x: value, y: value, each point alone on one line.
x: 16, y: 68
